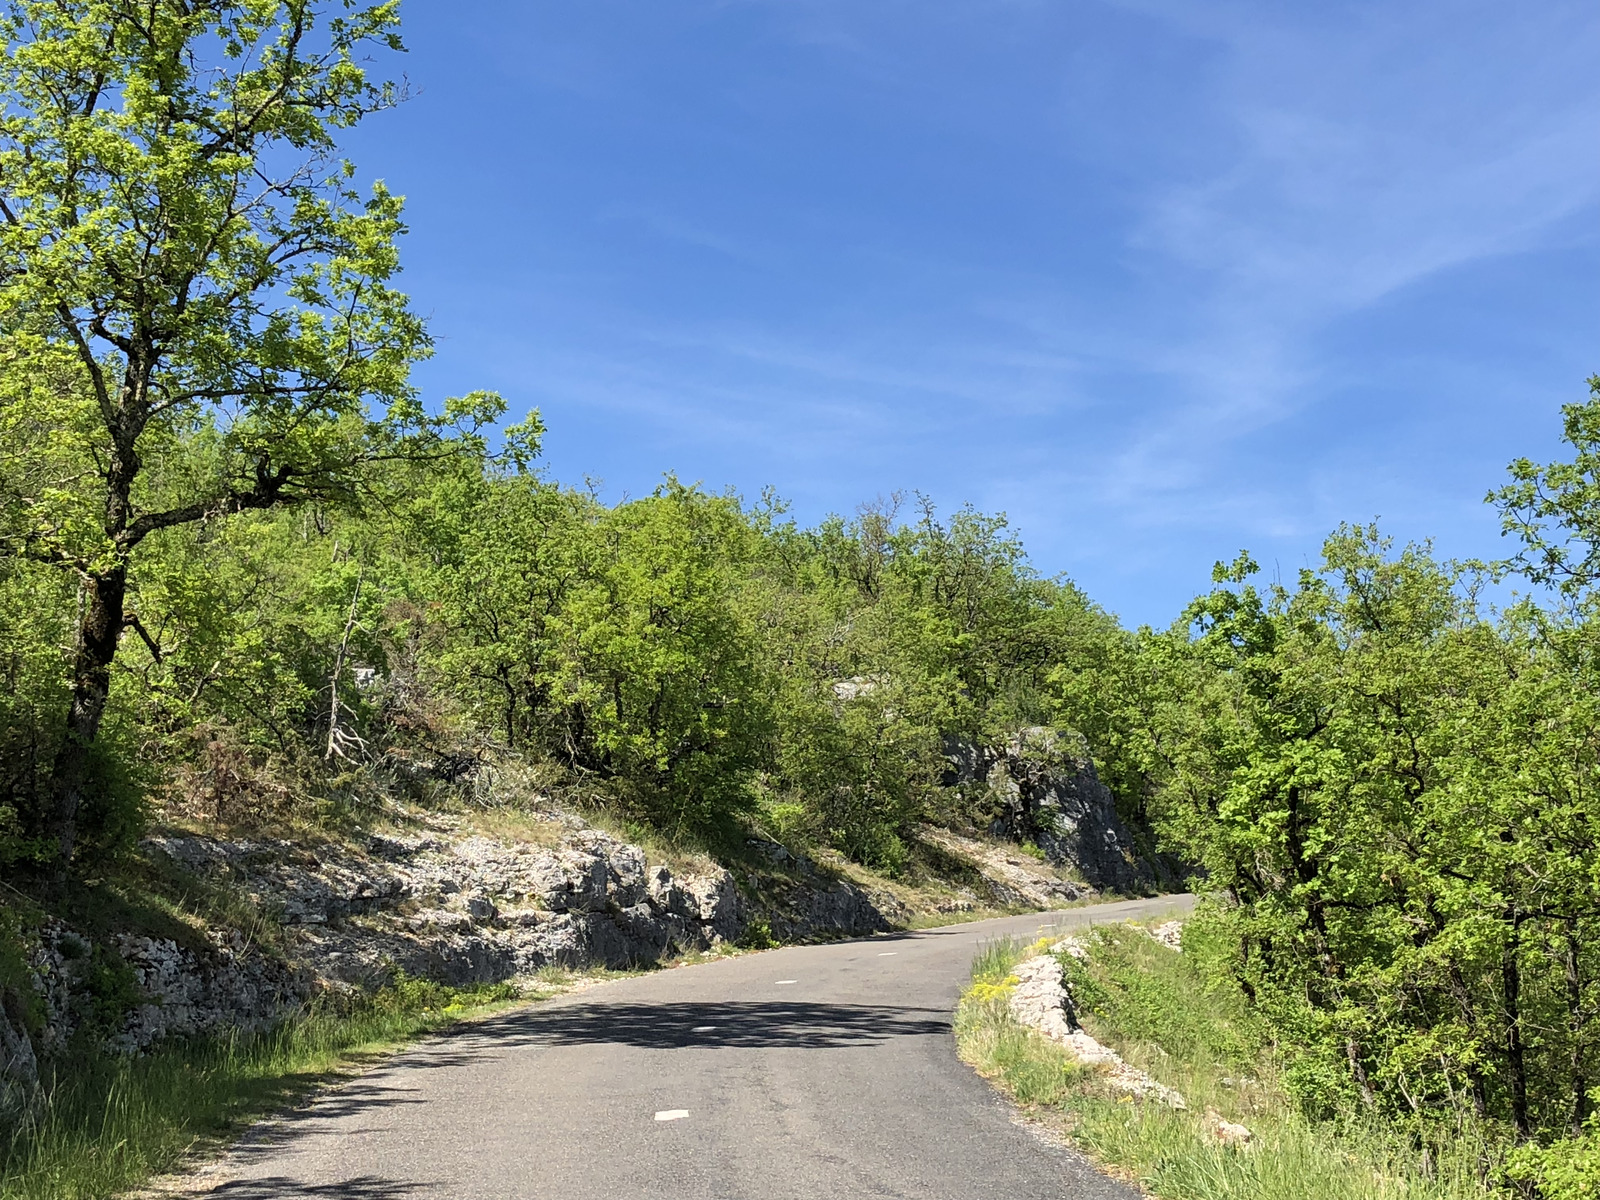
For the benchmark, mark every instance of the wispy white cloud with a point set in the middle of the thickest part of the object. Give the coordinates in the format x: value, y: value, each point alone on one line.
x: 1352, y: 151
x: 1376, y: 147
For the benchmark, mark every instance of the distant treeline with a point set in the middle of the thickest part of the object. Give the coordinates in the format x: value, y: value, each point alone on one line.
x: 697, y: 661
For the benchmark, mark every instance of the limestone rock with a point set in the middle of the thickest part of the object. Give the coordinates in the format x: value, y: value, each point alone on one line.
x: 19, y: 1065
x: 457, y: 909
x: 572, y: 880
x: 479, y: 907
x: 1045, y: 788
x: 1228, y: 1133
x: 626, y: 884
x: 1012, y: 879
x: 397, y: 849
x: 512, y: 870
x: 573, y: 939
x: 217, y: 983
x: 823, y: 908
x: 713, y: 900
x: 846, y: 690
x: 187, y: 992
x: 667, y: 895
x: 1170, y: 935
x: 464, y: 958
x: 441, y: 920
x: 1040, y: 1002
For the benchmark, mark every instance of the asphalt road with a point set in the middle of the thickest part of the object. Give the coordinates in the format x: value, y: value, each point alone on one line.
x: 811, y: 1071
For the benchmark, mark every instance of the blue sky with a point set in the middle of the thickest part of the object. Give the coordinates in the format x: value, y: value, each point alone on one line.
x: 1160, y: 281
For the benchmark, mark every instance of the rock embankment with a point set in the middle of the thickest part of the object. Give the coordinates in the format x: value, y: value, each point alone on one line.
x: 215, y: 983
x: 1041, y: 1001
x: 1011, y: 878
x: 457, y: 909
x: 471, y: 910
x: 1042, y: 788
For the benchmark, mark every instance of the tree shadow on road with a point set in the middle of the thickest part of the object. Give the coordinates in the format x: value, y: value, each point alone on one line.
x: 363, y: 1187
x: 729, y: 1025
x: 664, y: 1026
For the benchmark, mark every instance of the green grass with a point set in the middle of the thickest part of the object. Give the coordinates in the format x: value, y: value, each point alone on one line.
x: 996, y: 958
x: 919, y: 921
x: 1031, y: 1069
x: 1161, y: 1014
x: 108, y: 1122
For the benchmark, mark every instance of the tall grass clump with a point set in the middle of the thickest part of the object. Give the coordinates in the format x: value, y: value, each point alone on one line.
x: 1166, y: 1015
x: 108, y: 1122
x: 1030, y: 1068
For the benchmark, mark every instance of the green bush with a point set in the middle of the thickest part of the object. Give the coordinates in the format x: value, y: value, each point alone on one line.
x: 1165, y: 1014
x: 21, y: 1002
x: 1129, y: 982
x: 1566, y: 1169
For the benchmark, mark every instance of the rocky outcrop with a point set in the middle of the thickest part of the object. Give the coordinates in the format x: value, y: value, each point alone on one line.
x: 19, y: 1065
x: 456, y: 909
x: 1043, y: 789
x: 1012, y: 879
x: 133, y: 991
x: 1169, y: 934
x: 468, y: 910
x: 186, y: 992
x: 1040, y: 1001
x: 218, y: 983
x: 471, y: 910
x: 798, y: 901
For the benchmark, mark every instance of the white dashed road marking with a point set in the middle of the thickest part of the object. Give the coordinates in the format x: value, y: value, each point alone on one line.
x: 888, y: 953
x: 783, y: 981
x: 672, y: 1114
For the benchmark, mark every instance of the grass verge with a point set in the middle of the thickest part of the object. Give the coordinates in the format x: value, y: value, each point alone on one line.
x: 108, y: 1123
x: 1155, y: 1008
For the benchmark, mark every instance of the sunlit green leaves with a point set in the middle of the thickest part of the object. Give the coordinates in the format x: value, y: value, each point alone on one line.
x: 1397, y: 793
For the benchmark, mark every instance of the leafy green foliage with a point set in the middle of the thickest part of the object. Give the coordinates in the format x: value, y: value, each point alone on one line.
x: 1394, y: 793
x: 199, y: 307
x: 18, y: 998
x: 1168, y: 1014
x: 1129, y: 982
x: 209, y: 441
x: 1554, y: 510
x: 1567, y: 1170
x: 655, y: 667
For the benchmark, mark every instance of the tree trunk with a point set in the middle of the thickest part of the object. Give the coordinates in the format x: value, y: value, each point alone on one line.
x: 1577, y: 1077
x: 1511, y: 983
x: 1358, y: 1072
x: 99, y: 627
x: 99, y: 630
x: 334, y: 739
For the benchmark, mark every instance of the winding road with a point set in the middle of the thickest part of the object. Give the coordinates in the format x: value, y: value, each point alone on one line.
x: 811, y: 1071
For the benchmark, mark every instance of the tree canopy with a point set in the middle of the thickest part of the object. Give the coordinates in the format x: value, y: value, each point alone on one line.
x: 199, y: 306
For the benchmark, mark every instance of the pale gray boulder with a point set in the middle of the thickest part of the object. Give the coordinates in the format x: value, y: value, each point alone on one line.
x: 1043, y: 784
x: 572, y: 879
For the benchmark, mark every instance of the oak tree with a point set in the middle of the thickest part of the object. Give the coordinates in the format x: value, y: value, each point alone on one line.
x: 198, y: 304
